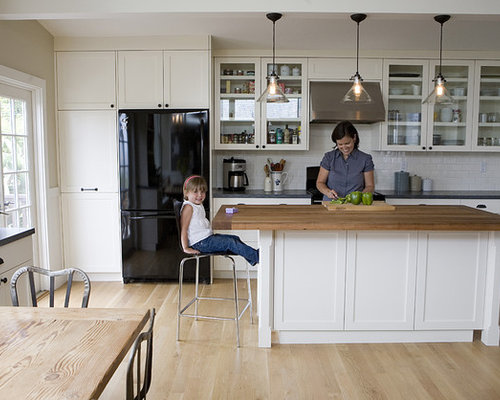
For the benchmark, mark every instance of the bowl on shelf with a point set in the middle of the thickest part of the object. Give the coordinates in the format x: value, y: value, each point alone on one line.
x: 396, y: 91
x: 459, y: 91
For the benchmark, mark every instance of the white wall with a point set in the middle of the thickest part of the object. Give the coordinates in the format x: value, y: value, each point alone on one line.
x: 449, y: 171
x: 27, y: 47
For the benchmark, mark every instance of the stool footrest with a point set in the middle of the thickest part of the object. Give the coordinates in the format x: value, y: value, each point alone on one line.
x: 182, y: 314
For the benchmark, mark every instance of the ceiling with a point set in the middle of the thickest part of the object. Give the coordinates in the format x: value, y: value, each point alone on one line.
x: 295, y: 31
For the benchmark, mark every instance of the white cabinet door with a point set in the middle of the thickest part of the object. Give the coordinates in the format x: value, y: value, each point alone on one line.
x: 91, y: 231
x: 451, y: 280
x: 15, y: 255
x: 380, y: 280
x: 186, y: 79
x: 85, y: 80
x: 140, y: 79
x: 309, y: 280
x: 88, y: 151
x: 490, y: 205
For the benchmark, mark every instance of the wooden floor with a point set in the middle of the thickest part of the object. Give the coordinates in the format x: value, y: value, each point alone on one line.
x: 206, y: 364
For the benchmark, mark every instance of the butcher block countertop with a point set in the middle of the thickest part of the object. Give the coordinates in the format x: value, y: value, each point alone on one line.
x: 317, y: 217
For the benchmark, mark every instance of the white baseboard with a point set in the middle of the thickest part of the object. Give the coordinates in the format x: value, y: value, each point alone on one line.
x: 103, y: 277
x: 316, y: 337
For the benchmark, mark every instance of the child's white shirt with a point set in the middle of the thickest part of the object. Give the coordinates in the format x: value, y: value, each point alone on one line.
x: 199, y: 227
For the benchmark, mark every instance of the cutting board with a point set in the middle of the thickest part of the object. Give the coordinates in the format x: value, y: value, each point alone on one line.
x: 376, y: 206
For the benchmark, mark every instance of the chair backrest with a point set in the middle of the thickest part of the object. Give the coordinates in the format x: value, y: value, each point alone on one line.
x: 69, y: 272
x: 143, y: 370
x: 177, y: 212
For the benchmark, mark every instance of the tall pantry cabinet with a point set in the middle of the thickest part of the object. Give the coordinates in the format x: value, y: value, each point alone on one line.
x: 87, y: 135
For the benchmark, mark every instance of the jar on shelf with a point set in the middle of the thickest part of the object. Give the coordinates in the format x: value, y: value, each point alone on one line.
x: 271, y: 136
x: 457, y: 115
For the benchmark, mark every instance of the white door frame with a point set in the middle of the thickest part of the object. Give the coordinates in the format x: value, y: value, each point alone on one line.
x: 37, y: 87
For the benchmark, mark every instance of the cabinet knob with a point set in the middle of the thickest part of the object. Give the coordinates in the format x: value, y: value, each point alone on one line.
x: 166, y: 105
x: 89, y: 189
x: 430, y: 147
x: 257, y: 146
x: 423, y: 147
x: 112, y: 106
x: 263, y: 146
x: 3, y: 280
x: 481, y: 206
x: 159, y: 105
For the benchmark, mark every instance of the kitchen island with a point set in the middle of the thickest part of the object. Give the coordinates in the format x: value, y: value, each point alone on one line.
x: 413, y: 274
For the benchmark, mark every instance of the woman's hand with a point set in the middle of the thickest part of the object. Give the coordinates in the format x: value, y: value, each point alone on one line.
x: 332, y: 194
x: 321, y: 184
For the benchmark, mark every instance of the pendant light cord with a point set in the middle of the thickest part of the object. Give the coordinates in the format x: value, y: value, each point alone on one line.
x: 357, y: 49
x: 440, y: 48
x: 274, y: 47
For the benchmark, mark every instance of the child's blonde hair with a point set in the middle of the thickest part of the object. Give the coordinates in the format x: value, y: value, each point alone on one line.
x: 193, y: 183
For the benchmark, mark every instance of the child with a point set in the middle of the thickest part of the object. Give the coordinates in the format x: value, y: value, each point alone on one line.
x: 196, y: 232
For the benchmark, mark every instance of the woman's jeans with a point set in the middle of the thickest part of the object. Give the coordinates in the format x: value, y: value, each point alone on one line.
x: 219, y: 243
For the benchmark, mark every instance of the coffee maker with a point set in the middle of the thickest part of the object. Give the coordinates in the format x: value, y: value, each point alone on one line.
x: 234, y: 176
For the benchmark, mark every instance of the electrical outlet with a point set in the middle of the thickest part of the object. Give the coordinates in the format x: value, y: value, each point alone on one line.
x: 483, y: 167
x: 404, y: 165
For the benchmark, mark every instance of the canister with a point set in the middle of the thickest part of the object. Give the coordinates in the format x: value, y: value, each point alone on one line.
x: 401, y: 181
x: 415, y: 183
x: 427, y: 185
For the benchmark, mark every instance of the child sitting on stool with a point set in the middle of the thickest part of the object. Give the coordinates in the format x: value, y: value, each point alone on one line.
x: 196, y: 233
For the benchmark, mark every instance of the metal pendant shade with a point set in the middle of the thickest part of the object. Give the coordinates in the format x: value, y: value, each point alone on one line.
x: 357, y: 93
x: 273, y: 92
x: 440, y: 95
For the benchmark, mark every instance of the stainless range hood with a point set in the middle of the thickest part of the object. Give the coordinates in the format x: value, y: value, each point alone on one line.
x: 326, y: 106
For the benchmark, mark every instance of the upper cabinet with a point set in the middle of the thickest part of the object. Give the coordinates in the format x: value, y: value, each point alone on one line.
x: 85, y: 80
x: 163, y: 79
x: 242, y: 122
x: 411, y: 125
x: 486, y: 132
x: 88, y: 151
x: 284, y: 125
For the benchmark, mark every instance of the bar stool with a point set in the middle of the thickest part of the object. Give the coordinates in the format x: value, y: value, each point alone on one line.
x: 181, y: 311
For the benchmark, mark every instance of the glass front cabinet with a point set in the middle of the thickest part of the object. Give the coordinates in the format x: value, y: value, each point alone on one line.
x: 243, y: 124
x: 411, y: 125
x: 486, y: 131
x: 284, y: 125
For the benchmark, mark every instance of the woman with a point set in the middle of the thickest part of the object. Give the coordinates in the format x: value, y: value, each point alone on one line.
x: 345, y: 169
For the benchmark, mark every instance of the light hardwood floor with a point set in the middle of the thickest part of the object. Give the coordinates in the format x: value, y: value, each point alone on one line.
x: 206, y: 364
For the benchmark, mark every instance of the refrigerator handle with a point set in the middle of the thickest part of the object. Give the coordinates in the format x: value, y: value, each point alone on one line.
x: 202, y: 134
x: 153, y: 217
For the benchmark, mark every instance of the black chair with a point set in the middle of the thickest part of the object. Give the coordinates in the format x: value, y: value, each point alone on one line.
x: 143, y: 370
x: 181, y: 311
x: 69, y: 272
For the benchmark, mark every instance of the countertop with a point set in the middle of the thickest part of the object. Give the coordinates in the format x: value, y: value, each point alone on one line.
x: 8, y: 235
x: 254, y: 193
x: 443, y: 194
x: 317, y: 217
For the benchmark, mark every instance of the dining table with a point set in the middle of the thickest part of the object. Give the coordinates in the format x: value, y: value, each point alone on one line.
x: 63, y: 353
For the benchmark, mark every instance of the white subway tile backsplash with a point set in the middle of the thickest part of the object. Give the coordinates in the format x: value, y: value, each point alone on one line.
x: 449, y: 171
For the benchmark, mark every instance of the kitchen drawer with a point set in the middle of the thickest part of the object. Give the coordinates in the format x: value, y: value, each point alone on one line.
x: 490, y: 205
x: 16, y: 253
x: 417, y: 202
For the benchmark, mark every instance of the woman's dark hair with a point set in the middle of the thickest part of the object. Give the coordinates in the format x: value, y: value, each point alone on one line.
x: 345, y: 128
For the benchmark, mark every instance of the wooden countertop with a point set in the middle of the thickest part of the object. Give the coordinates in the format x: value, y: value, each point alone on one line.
x: 317, y: 217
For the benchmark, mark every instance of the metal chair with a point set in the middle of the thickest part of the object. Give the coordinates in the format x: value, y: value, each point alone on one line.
x: 181, y: 311
x: 143, y: 371
x: 69, y: 272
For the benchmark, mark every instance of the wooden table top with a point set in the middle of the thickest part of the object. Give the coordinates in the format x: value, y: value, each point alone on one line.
x: 63, y: 353
x: 317, y: 217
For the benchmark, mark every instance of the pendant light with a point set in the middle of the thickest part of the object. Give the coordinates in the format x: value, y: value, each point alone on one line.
x: 440, y: 95
x: 357, y: 94
x: 273, y: 93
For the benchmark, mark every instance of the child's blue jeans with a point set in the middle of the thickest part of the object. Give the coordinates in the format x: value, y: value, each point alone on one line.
x: 219, y: 243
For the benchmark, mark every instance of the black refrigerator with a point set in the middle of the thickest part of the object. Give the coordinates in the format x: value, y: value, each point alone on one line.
x: 158, y: 150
